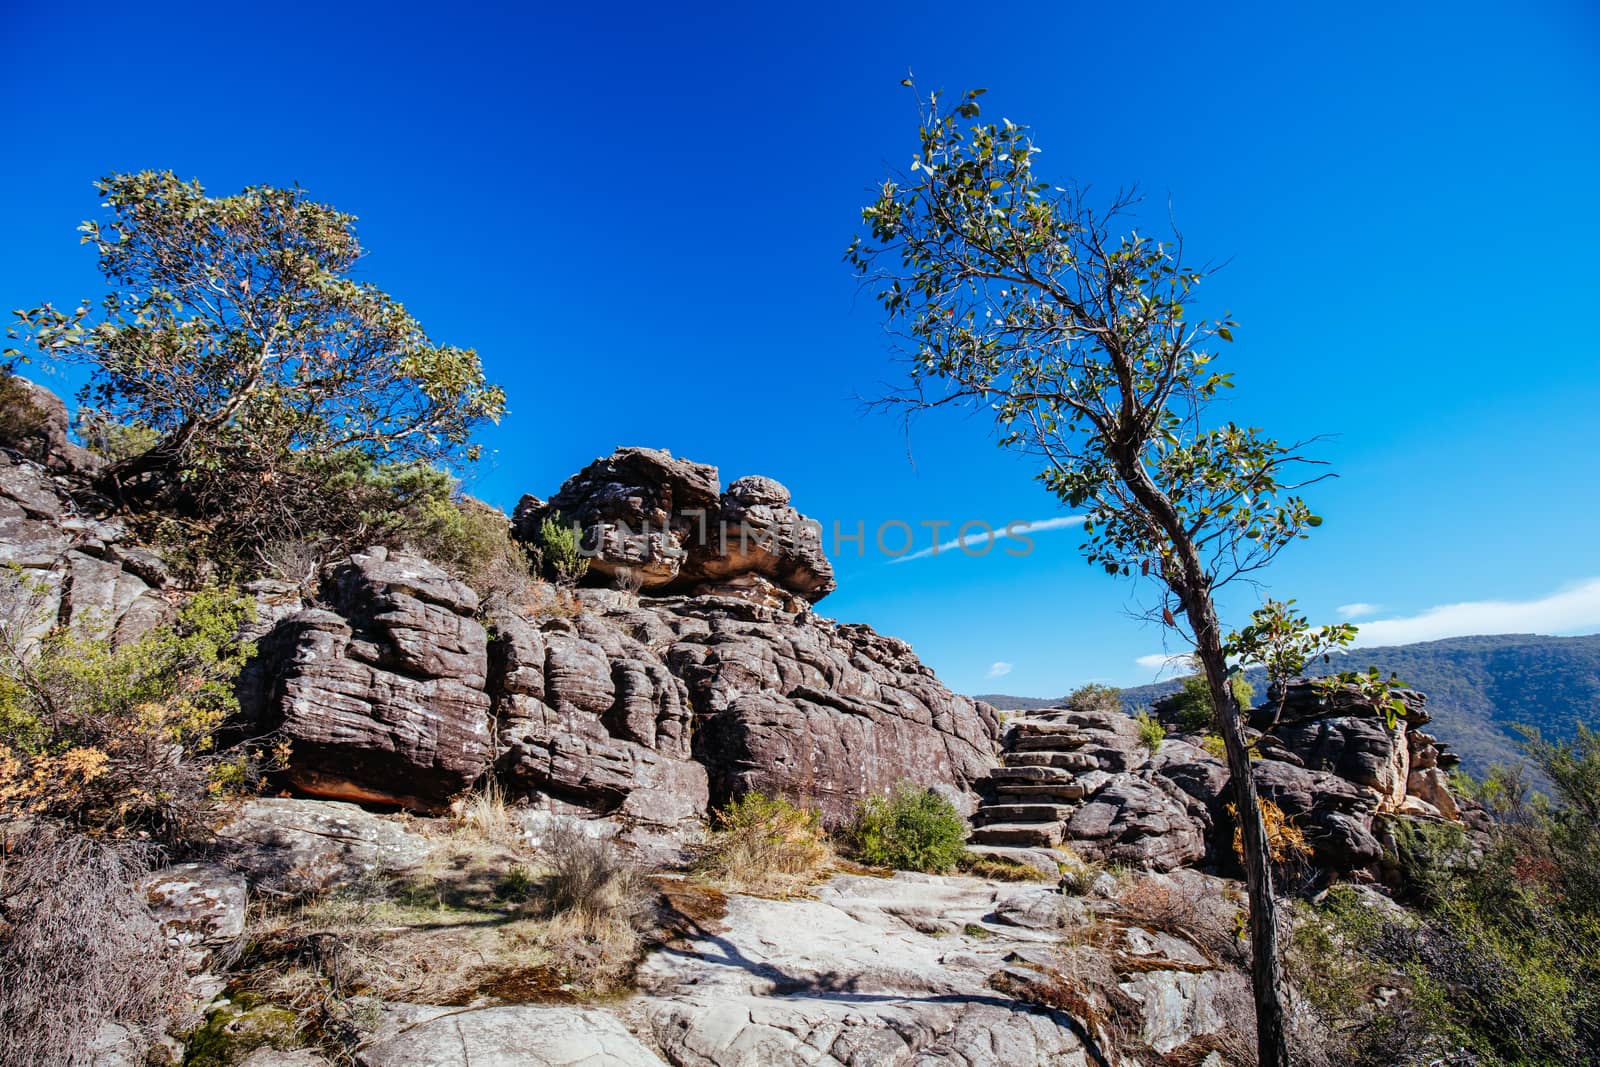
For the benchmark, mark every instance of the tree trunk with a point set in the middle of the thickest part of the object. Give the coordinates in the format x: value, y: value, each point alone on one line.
x: 1192, y: 584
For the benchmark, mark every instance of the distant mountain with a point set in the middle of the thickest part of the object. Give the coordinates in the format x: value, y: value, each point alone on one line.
x: 1477, y: 687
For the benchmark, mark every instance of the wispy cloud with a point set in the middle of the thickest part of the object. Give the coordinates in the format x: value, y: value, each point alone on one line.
x: 1162, y: 662
x: 1357, y: 610
x: 977, y: 539
x: 999, y: 669
x: 1574, y: 608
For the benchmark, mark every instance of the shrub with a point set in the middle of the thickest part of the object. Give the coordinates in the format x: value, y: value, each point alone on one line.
x: 911, y: 829
x: 114, y: 441
x: 80, y: 948
x: 560, y: 558
x: 1151, y: 732
x: 598, y: 901
x: 764, y: 845
x: 118, y: 738
x: 1095, y: 697
x: 1196, y: 711
x: 996, y: 869
x: 1286, y: 842
x: 22, y: 423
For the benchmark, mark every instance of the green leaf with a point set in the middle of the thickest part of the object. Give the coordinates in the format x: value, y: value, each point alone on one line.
x: 1225, y: 333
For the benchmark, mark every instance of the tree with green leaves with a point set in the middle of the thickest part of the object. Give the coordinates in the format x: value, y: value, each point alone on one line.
x: 234, y: 324
x: 1023, y: 299
x: 1281, y: 641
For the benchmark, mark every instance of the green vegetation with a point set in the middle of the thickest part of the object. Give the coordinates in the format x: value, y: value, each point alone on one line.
x: 764, y: 845
x: 1151, y: 732
x: 1196, y: 711
x: 1094, y: 697
x: 911, y: 829
x: 1502, y: 958
x: 118, y: 739
x: 557, y: 552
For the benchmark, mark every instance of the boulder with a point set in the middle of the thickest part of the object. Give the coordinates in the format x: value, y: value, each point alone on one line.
x: 1335, y: 814
x: 289, y: 846
x: 200, y: 906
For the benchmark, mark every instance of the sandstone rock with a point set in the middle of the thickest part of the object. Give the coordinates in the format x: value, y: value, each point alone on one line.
x: 665, y: 520
x: 1335, y: 815
x: 1142, y: 822
x: 851, y: 978
x: 523, y: 1035
x: 1359, y: 749
x: 382, y: 698
x: 44, y: 438
x: 199, y: 906
x: 291, y: 846
x: 1432, y: 787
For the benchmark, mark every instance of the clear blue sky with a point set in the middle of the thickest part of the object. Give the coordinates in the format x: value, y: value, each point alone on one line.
x: 636, y: 213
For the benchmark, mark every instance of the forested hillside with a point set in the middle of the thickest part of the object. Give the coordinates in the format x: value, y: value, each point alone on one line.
x: 1478, y: 688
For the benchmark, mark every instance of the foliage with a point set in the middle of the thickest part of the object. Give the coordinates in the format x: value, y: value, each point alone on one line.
x: 118, y: 738
x: 80, y: 949
x: 997, y: 869
x: 233, y: 323
x: 1281, y: 642
x: 1286, y: 842
x: 764, y: 845
x: 1021, y: 299
x: 115, y: 441
x: 1503, y: 959
x: 1094, y: 697
x: 911, y: 829
x: 559, y: 554
x: 1151, y: 732
x: 1371, y: 689
x: 1196, y: 711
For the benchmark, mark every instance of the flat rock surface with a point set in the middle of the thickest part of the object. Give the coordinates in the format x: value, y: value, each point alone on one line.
x: 521, y: 1035
x: 874, y: 971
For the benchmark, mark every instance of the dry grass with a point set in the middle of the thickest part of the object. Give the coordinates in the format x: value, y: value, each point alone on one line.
x: 996, y: 869
x: 484, y: 815
x: 485, y: 920
x: 765, y: 846
x: 78, y: 947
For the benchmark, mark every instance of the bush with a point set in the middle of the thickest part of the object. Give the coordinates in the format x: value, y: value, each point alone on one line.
x: 22, y: 423
x: 1196, y: 712
x: 79, y: 947
x: 1095, y: 697
x: 598, y: 901
x: 912, y: 829
x: 118, y: 739
x: 559, y: 556
x: 764, y: 845
x: 1151, y: 732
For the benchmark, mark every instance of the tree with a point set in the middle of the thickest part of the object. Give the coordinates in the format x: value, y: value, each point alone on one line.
x: 1281, y: 642
x: 233, y: 324
x: 1020, y: 298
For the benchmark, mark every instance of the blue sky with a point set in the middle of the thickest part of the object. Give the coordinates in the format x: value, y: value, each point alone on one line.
x: 636, y: 214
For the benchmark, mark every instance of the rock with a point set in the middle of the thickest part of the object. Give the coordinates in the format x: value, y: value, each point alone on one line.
x: 1141, y: 822
x: 1335, y: 815
x: 200, y: 906
x: 39, y: 425
x: 852, y: 978
x: 1359, y: 749
x: 522, y: 1035
x: 382, y: 698
x: 271, y: 1057
x: 290, y: 846
x: 1432, y: 787
x: 666, y: 521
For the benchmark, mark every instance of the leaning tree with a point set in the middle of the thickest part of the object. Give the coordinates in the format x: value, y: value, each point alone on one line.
x: 234, y: 326
x: 1027, y: 300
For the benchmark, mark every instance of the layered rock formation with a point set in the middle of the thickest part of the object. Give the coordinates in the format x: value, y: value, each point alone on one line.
x: 398, y: 687
x: 1332, y: 765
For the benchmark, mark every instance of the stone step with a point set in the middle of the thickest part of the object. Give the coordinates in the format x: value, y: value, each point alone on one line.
x: 1045, y: 743
x: 1024, y: 793
x: 1073, y: 761
x: 1045, y: 861
x: 1037, y: 728
x: 990, y: 813
x: 1035, y: 834
x: 1035, y: 775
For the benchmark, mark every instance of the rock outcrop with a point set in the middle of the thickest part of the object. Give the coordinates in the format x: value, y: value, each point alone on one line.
x: 668, y: 522
x: 398, y: 687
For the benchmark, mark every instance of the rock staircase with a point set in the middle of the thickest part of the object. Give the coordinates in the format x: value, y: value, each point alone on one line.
x: 1050, y: 763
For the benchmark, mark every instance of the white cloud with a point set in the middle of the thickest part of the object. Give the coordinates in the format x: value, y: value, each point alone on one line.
x: 1357, y: 610
x: 1163, y: 662
x: 977, y: 539
x: 999, y: 669
x: 1575, y: 608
